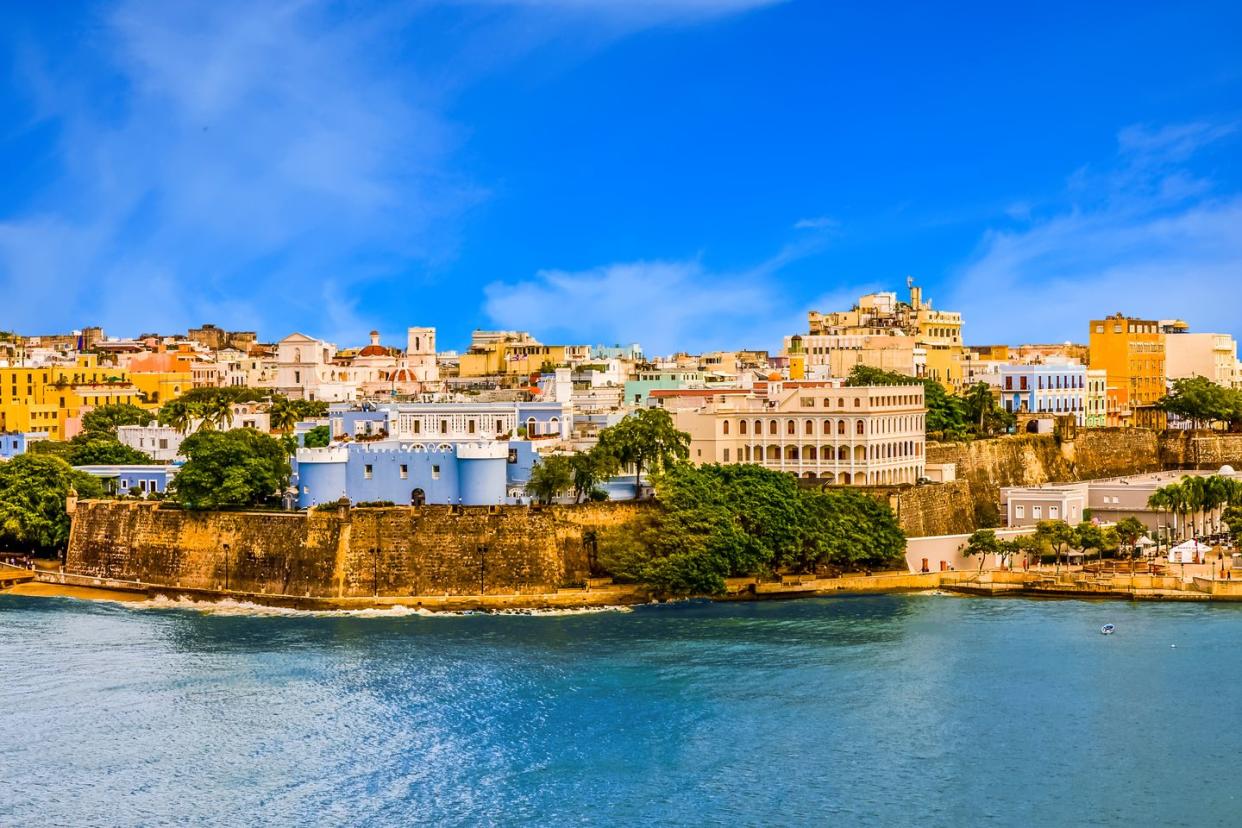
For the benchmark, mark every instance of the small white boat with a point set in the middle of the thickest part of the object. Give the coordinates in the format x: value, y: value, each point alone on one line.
x: 1107, y: 629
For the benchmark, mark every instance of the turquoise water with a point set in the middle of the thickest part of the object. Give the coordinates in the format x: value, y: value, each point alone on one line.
x: 890, y: 710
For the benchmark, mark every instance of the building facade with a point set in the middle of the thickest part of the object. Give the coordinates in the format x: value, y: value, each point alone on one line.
x: 816, y: 430
x: 1045, y: 389
x: 1131, y: 353
x: 15, y: 443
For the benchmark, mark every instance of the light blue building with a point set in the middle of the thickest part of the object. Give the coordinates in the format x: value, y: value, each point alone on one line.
x: 473, y: 454
x: 1045, y: 389
x: 637, y: 389
x: 18, y: 442
x: 126, y: 480
x: 633, y: 352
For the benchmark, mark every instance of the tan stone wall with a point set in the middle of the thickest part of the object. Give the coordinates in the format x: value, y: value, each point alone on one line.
x: 341, y: 553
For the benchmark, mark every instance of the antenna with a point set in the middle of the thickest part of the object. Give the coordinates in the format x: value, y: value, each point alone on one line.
x: 909, y: 281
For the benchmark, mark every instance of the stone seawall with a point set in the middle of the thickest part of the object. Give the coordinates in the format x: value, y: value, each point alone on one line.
x: 432, y: 550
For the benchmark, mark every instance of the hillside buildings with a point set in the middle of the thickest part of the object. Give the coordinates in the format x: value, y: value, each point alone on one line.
x: 882, y: 332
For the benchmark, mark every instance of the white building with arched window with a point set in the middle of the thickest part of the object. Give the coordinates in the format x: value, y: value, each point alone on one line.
x: 862, y: 436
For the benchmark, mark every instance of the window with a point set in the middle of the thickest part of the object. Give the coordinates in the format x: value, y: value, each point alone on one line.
x: 405, y: 471
x: 725, y: 427
x: 418, y: 426
x: 1037, y: 512
x: 444, y: 426
x: 500, y: 426
x: 435, y: 472
x: 726, y: 455
x: 470, y: 427
x: 367, y: 471
x: 808, y: 402
x: 1054, y: 512
x: 163, y: 442
x: 1019, y: 511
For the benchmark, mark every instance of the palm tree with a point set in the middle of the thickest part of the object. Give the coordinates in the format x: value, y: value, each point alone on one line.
x: 217, y: 413
x: 1195, y: 491
x: 178, y: 414
x: 980, y: 396
x: 283, y: 414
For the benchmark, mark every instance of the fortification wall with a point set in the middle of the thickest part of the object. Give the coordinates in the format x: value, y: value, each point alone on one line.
x: 432, y: 550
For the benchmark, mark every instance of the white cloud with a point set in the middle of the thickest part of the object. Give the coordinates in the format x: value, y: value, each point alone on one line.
x: 817, y: 223
x: 1154, y: 243
x: 231, y: 140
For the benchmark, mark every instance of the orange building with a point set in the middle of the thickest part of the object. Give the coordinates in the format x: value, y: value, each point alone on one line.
x: 1131, y: 353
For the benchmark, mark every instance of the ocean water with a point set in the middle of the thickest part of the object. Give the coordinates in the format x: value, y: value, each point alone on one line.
x: 892, y: 710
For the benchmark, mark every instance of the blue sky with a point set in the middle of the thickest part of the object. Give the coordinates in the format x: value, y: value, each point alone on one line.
x: 688, y: 174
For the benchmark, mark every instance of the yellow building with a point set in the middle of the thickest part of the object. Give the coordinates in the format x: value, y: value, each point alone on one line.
x: 1131, y: 354
x: 516, y: 358
x: 935, y: 335
x: 52, y: 398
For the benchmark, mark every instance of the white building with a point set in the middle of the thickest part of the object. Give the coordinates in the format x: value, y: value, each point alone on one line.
x: 828, y: 431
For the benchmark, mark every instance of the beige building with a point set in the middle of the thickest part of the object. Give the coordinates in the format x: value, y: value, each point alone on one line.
x: 835, y: 355
x: 822, y: 430
x: 936, y: 335
x: 1210, y: 355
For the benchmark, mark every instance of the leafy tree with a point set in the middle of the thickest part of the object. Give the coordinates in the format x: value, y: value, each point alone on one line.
x: 53, y: 448
x: 1129, y: 530
x: 232, y: 393
x: 106, y: 418
x: 551, y: 477
x: 1232, y: 518
x: 33, y: 489
x: 317, y: 437
x: 985, y: 417
x: 1056, y: 536
x: 849, y: 530
x: 217, y: 413
x: 645, y: 439
x: 590, y: 468
x: 1026, y: 545
x: 720, y: 521
x: 1203, y: 403
x: 241, y: 467
x: 983, y: 542
x: 104, y: 451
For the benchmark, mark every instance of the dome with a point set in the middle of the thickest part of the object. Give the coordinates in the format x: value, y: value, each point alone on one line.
x: 774, y: 377
x: 1227, y: 469
x: 375, y: 348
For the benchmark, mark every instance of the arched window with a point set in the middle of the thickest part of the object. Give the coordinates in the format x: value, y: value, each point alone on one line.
x: 827, y: 427
x: 840, y: 426
x: 860, y: 428
x: 725, y: 427
x: 741, y: 427
x: 772, y: 427
x: 790, y: 428
x: 530, y: 427
x: 808, y: 427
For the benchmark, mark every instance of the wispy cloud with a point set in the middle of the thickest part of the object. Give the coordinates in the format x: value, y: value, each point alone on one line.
x: 248, y: 156
x: 666, y: 305
x: 1146, y: 236
x: 817, y: 223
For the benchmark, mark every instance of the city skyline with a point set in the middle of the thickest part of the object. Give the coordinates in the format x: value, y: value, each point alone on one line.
x: 614, y: 172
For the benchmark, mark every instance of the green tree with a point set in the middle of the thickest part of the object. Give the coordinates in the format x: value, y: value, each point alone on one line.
x: 1203, y: 403
x: 217, y: 413
x: 645, y: 439
x: 849, y: 530
x: 241, y: 467
x: 180, y: 414
x: 283, y: 415
x: 104, y: 451
x: 1056, y: 536
x: 1129, y: 530
x: 982, y: 542
x: 1232, y: 518
x: 106, y: 418
x: 317, y: 437
x: 551, y: 477
x: 590, y: 468
x: 33, y: 489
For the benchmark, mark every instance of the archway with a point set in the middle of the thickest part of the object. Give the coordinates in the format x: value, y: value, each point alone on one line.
x: 418, y: 497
